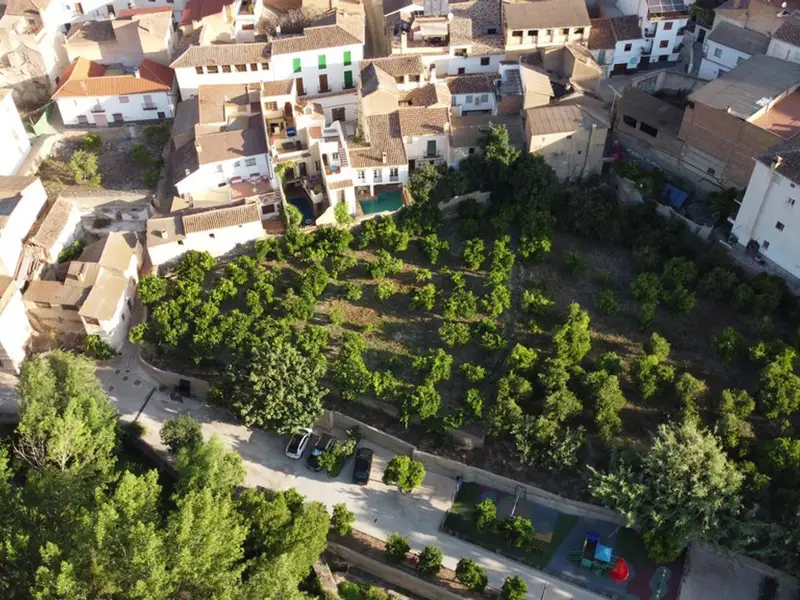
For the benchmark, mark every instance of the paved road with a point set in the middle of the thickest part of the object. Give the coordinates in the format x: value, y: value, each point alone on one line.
x: 379, y: 510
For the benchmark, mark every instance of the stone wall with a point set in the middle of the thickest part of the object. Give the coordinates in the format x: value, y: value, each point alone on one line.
x: 169, y: 379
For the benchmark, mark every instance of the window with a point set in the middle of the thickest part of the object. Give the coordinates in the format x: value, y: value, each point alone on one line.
x: 295, y: 65
x: 484, y: 98
x: 579, y: 31
x: 491, y: 31
x: 663, y: 44
x: 240, y: 68
x: 765, y: 246
x: 271, y: 106
x: 124, y: 99
x: 740, y: 60
x: 668, y: 25
x: 42, y: 304
x: 548, y: 32
x: 92, y: 321
x: 265, y: 66
x: 471, y: 151
x: 485, y: 61
x: 711, y: 171
x: 569, y: 137
x: 565, y: 31
x: 237, y: 164
x: 431, y: 148
x: 790, y: 201
x: 779, y: 226
x: 212, y: 69
x: 413, y: 78
x: 348, y: 59
x: 462, y: 52
x: 629, y: 121
x: 118, y: 117
x: 377, y: 175
x: 321, y: 61
x: 628, y: 47
x: 461, y: 70
x: 254, y: 66
x: 323, y: 84
x: 648, y: 129
x: 348, y: 80
x: 301, y: 91
x: 198, y: 70
x: 362, y: 175
x: 267, y: 209
x: 532, y: 33
x: 468, y: 99
x: 212, y: 235
x: 83, y: 120
x: 394, y: 174
x: 791, y: 185
x: 180, y: 242
x: 399, y: 79
x: 219, y: 168
x: 249, y: 162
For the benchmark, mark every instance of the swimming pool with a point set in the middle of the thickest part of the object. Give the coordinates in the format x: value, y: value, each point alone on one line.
x: 390, y: 200
x: 304, y: 206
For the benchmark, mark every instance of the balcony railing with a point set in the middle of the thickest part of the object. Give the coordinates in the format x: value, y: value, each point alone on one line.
x: 98, y: 109
x: 149, y: 107
x: 394, y: 178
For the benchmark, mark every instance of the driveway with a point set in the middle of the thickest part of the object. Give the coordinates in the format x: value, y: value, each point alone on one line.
x: 379, y: 510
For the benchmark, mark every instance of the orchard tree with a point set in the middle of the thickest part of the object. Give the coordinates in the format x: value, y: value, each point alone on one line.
x: 685, y: 489
x: 572, y: 340
x: 474, y: 254
x: 349, y: 371
x: 181, y: 432
x: 607, y: 400
x: 405, y: 473
x: 779, y: 386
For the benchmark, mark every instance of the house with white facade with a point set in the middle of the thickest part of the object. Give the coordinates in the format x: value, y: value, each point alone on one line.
x: 380, y: 161
x: 16, y: 144
x: 532, y: 25
x: 451, y: 37
x: 216, y: 18
x: 728, y: 46
x: 15, y: 329
x: 95, y: 296
x: 618, y: 44
x: 663, y: 23
x: 54, y: 231
x: 93, y: 94
x: 472, y: 94
x: 222, y: 64
x: 768, y: 220
x: 785, y: 42
x: 32, y: 47
x: 21, y: 201
x: 217, y: 231
x: 466, y: 132
x: 135, y: 35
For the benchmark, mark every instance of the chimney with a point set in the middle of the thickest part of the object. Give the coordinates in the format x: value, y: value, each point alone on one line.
x: 136, y: 73
x: 187, y: 172
x: 776, y: 162
x: 432, y: 78
x: 164, y: 234
x: 403, y: 42
x: 277, y: 31
x: 384, y: 158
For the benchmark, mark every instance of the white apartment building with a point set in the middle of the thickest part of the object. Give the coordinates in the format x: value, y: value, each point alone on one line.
x: 92, y: 94
x: 785, y: 42
x: 16, y: 144
x: 618, y: 44
x: 15, y: 329
x: 663, y: 25
x: 21, y: 201
x: 728, y: 46
x: 222, y: 64
x: 217, y: 231
x: 768, y: 220
x: 529, y: 26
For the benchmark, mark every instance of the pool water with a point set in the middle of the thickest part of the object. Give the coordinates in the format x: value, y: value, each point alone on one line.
x: 388, y: 200
x: 305, y: 209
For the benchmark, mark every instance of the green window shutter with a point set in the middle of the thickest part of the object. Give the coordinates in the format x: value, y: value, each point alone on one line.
x: 348, y: 79
x: 297, y: 67
x: 322, y: 64
x: 348, y: 59
x: 431, y: 147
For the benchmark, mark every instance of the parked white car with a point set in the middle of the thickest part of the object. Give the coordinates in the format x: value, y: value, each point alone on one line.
x: 298, y: 443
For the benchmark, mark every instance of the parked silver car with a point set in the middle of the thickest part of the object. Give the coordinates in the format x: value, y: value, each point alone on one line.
x: 298, y: 443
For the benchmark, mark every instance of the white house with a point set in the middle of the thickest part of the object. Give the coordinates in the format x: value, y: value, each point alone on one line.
x: 529, y: 26
x: 382, y: 160
x: 55, y: 231
x: 728, y: 46
x: 785, y: 42
x: 426, y: 137
x: 21, y: 201
x: 96, y: 295
x: 222, y: 64
x: 769, y: 217
x: 216, y: 231
x: 618, y: 44
x: 15, y: 329
x: 472, y: 94
x: 663, y: 23
x: 16, y: 144
x: 466, y: 132
x: 92, y: 94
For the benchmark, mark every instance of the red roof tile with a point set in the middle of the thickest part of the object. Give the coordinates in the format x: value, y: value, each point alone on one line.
x: 84, y: 78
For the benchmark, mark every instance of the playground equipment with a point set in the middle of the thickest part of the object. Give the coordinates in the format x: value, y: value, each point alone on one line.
x: 520, y: 493
x: 599, y: 559
x: 620, y: 572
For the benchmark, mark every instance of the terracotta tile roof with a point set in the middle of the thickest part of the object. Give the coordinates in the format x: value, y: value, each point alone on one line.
x: 223, y: 54
x: 84, y: 78
x: 466, y: 131
x: 55, y: 293
x: 789, y: 154
x: 479, y: 83
x: 384, y: 135
x: 423, y: 121
x: 197, y: 10
x: 114, y: 251
x: 231, y: 144
x: 471, y: 25
x: 104, y: 296
x: 221, y: 217
x: 626, y: 28
x: 341, y: 185
x: 147, y: 10
x: 396, y: 66
x: 789, y: 31
x: 601, y: 35
x: 545, y: 14
x: 14, y: 185
x: 374, y: 79
x: 435, y: 95
x: 91, y: 31
x: 20, y: 8
x: 335, y: 28
x: 52, y: 226
x: 281, y: 87
x: 213, y: 99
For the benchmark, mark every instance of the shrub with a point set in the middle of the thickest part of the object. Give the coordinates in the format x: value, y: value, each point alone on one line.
x: 405, y: 473
x: 385, y: 290
x: 474, y: 402
x: 97, y: 348
x: 779, y: 386
x: 519, y: 531
x: 688, y: 390
x: 336, y: 316
x: 607, y: 303
x: 719, y: 283
x: 488, y: 336
x: 514, y: 588
x: 181, y: 432
x: 473, y: 373
x: 678, y: 272
x: 349, y: 371
x: 429, y: 561
x: 83, y: 168
x: 353, y: 291
x: 486, y: 515
x: 650, y: 375
x: 462, y: 304
x: 397, y: 548
x: 474, y: 254
x: 141, y: 156
x: 471, y: 575
x: 728, y: 344
x: 437, y: 363
x: 502, y: 261
x: 645, y: 258
x: 572, y: 340
x: 608, y: 400
x: 535, y: 302
x: 385, y: 384
x: 72, y: 251
x: 152, y: 175
x: 424, y: 298
x: 157, y: 134
x: 497, y: 301
x: 522, y: 358
x: 91, y: 142
x: 313, y: 281
x: 342, y: 519
x: 424, y: 400
x: 384, y: 265
x: 421, y: 275
x: 657, y: 346
x: 646, y: 288
x: 737, y: 402
x: 342, y: 215
x: 432, y: 246
x: 680, y: 300
x: 454, y: 334
x: 647, y: 311
x: 575, y: 263
x: 540, y: 442
x: 611, y: 363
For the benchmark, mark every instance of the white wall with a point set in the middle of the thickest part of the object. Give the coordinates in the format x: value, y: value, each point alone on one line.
x: 453, y: 65
x: 19, y: 225
x: 15, y: 331
x: 283, y: 67
x: 212, y: 175
x: 572, y: 154
x: 224, y: 240
x: 189, y: 79
x: 467, y: 103
x: 767, y: 201
x: 91, y: 9
x: 384, y: 176
x: 417, y: 147
x: 784, y: 51
x: 349, y: 102
x: 712, y: 65
x: 72, y: 108
x: 16, y: 144
x: 630, y: 57
x: 67, y: 235
x: 114, y: 332
x: 670, y: 36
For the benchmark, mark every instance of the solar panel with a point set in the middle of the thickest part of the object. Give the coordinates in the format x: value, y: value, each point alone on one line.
x: 666, y: 6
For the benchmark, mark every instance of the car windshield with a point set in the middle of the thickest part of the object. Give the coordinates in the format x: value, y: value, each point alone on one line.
x: 316, y: 452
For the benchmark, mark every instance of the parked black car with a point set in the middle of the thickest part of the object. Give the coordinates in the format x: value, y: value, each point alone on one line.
x: 362, y: 466
x: 322, y: 443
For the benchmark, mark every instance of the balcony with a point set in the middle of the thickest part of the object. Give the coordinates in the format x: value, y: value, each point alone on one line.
x: 98, y: 109
x: 394, y: 178
x: 149, y: 107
